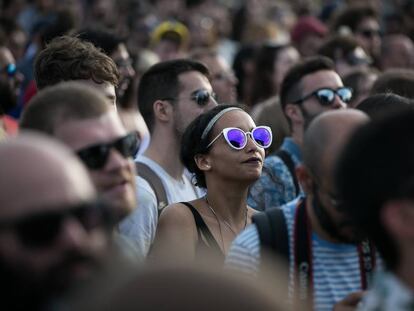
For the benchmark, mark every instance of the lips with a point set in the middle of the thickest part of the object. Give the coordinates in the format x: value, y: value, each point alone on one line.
x: 253, y: 160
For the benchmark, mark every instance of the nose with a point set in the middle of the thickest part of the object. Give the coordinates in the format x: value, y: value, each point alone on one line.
x: 211, y: 103
x: 116, y: 161
x: 73, y: 235
x: 251, y: 146
x: 338, y: 103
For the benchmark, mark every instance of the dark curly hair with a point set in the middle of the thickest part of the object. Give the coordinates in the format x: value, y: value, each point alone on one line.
x: 69, y: 58
x: 192, y: 144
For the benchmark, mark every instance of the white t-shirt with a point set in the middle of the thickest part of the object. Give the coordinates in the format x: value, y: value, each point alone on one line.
x: 142, y: 223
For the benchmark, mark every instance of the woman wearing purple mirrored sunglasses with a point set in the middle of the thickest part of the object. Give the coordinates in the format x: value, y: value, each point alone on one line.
x: 224, y: 149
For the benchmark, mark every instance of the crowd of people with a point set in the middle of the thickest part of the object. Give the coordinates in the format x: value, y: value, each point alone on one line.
x: 207, y: 154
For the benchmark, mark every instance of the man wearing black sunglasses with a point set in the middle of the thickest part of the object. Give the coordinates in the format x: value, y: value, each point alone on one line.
x: 80, y: 117
x: 171, y: 94
x: 52, y: 232
x: 308, y: 89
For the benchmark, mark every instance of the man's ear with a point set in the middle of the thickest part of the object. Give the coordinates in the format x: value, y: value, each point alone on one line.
x: 397, y: 217
x: 163, y: 110
x: 304, y: 178
x: 203, y: 162
x: 294, y: 113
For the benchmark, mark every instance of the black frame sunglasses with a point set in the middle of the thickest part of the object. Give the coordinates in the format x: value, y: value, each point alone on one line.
x: 40, y: 230
x: 96, y: 156
x: 200, y: 97
x: 326, y: 96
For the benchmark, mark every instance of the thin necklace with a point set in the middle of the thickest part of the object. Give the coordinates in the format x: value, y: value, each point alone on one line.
x: 224, y: 221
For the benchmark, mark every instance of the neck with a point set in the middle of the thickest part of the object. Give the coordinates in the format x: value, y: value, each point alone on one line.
x: 164, y: 149
x: 297, y: 134
x: 229, y: 205
x: 316, y: 226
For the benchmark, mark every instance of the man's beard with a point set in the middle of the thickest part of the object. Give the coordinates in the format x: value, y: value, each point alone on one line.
x: 24, y: 290
x: 329, y: 225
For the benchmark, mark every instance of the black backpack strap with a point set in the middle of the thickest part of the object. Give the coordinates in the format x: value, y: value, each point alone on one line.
x: 202, y: 229
x: 155, y: 183
x: 287, y: 159
x: 273, y: 234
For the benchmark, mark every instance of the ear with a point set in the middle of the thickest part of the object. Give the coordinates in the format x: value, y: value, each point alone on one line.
x: 398, y: 218
x: 203, y: 162
x: 162, y: 110
x: 304, y: 178
x: 294, y: 113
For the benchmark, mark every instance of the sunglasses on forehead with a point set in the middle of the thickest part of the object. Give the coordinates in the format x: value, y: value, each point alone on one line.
x: 326, y: 96
x: 237, y: 138
x: 96, y: 156
x: 42, y: 229
x: 200, y: 97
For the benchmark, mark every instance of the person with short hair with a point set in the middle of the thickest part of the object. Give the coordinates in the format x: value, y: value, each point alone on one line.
x: 68, y: 58
x: 310, y: 88
x: 171, y: 95
x: 53, y: 232
x: 80, y: 117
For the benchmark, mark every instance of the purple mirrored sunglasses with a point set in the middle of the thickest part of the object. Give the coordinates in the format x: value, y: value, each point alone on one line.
x: 237, y: 138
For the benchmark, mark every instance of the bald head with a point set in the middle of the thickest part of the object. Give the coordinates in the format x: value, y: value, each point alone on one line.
x: 327, y: 135
x: 41, y: 174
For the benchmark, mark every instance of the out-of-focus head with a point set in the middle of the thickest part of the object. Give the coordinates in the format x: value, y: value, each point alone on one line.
x: 311, y: 87
x: 113, y: 46
x: 80, y: 117
x: 69, y: 58
x: 222, y: 78
x: 179, y: 90
x: 170, y: 40
x: 380, y: 106
x: 54, y: 235
x: 363, y: 22
x: 10, y: 79
x: 346, y: 53
x: 360, y: 81
x: 271, y: 64
x: 324, y: 142
x: 215, y: 145
x: 397, y: 81
x: 397, y: 52
x: 210, y: 289
x: 307, y: 35
x: 381, y: 208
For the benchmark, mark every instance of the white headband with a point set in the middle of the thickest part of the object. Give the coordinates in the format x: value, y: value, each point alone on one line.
x: 215, y: 119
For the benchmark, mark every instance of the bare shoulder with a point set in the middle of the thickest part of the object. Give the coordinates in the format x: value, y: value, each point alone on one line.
x: 177, y: 213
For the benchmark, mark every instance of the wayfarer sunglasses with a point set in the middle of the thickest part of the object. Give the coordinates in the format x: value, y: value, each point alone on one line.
x: 237, y: 138
x: 96, y: 156
x: 326, y: 96
x: 41, y: 229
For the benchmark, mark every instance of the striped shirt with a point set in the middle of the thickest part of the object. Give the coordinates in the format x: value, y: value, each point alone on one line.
x: 336, y: 269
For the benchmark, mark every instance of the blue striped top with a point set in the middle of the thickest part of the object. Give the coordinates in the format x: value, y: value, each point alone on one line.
x: 336, y: 270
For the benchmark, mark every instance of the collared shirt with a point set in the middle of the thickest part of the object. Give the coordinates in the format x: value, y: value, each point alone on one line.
x: 388, y: 293
x: 336, y: 268
x: 275, y: 186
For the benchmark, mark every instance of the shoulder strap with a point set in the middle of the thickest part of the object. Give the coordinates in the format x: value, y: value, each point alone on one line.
x: 272, y: 229
x: 155, y: 183
x: 287, y: 159
x: 202, y: 228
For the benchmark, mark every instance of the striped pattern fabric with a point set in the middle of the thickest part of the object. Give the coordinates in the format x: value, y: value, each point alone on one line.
x: 336, y: 270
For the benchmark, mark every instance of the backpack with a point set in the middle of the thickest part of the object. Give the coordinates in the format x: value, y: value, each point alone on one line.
x: 287, y: 159
x: 155, y: 183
